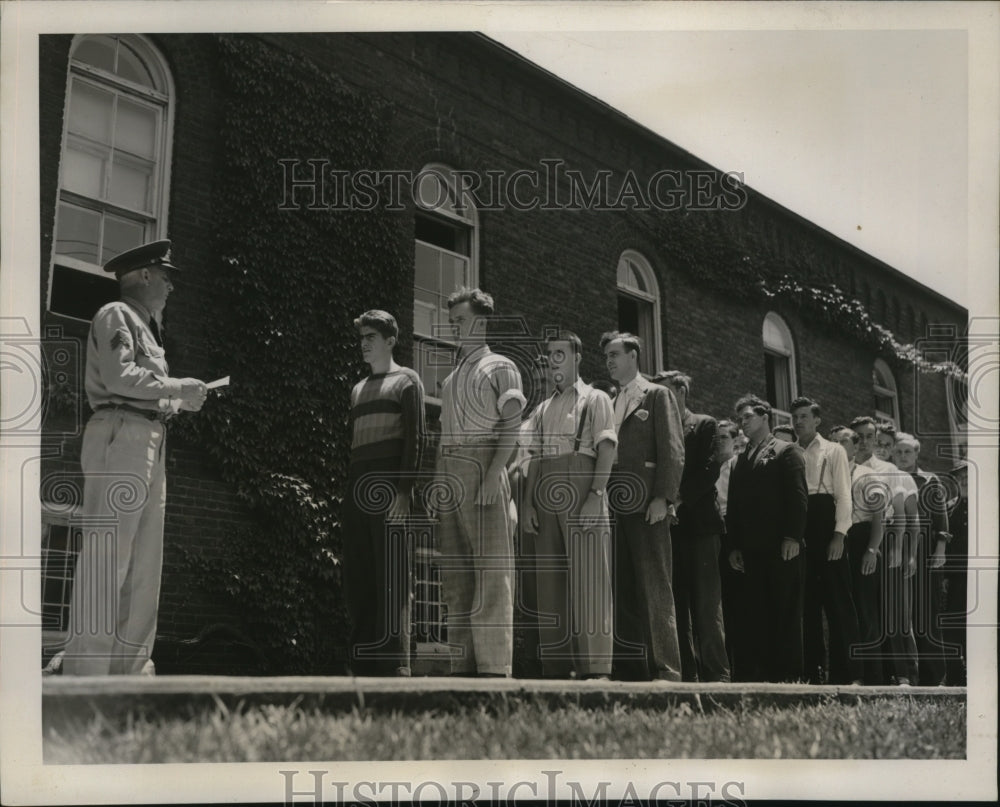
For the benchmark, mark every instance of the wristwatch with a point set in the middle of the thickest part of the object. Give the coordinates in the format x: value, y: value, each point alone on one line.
x: 943, y: 536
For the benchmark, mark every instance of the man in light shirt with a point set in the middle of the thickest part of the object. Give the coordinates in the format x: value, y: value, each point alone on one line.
x: 928, y: 582
x: 870, y: 498
x: 900, y: 520
x: 481, y: 403
x: 828, y: 573
x: 113, y: 612
x: 574, y: 440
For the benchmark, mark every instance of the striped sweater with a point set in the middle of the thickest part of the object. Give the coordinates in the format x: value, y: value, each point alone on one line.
x: 387, y: 415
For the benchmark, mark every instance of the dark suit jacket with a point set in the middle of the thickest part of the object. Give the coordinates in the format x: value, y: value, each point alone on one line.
x: 699, y: 509
x: 767, y: 498
x: 651, y: 445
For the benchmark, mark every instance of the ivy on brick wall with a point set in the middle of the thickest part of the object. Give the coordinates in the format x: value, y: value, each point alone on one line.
x: 289, y: 283
x: 741, y: 264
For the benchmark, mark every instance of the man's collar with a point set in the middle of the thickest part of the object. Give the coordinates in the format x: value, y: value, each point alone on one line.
x: 579, y: 385
x: 140, y: 309
x: 475, y: 353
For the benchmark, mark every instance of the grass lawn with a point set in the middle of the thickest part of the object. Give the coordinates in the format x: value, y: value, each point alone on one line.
x: 517, y: 729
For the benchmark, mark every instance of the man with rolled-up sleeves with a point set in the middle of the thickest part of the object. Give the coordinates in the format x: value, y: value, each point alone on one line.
x: 481, y: 404
x: 117, y: 584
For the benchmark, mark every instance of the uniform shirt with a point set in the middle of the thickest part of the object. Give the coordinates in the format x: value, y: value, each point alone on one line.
x: 125, y: 365
x: 827, y: 472
x: 556, y: 420
x: 387, y: 412
x: 473, y: 396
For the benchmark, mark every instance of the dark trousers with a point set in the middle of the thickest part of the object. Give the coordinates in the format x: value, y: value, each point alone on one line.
x: 378, y: 581
x: 928, y: 595
x: 774, y: 615
x: 897, y: 617
x: 827, y: 591
x: 698, y: 600
x: 734, y: 615
x: 867, y: 593
x: 645, y: 641
x: 953, y: 614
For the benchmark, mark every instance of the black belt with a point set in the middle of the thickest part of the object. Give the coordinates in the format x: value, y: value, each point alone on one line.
x: 135, y: 410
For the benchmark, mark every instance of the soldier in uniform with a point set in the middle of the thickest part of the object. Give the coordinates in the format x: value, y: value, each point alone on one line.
x: 117, y: 585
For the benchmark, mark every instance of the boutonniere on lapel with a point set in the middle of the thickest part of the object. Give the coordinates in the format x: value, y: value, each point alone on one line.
x: 642, y: 414
x: 767, y: 456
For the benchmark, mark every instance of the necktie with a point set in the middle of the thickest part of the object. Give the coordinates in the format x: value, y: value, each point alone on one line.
x: 156, y: 331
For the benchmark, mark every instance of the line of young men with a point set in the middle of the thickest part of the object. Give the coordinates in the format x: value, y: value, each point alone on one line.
x: 872, y: 533
x: 648, y: 605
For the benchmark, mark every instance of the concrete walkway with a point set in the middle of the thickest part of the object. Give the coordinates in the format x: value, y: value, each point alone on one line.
x: 76, y: 696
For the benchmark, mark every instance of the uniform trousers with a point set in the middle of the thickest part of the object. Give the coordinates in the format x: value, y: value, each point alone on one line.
x: 828, y: 591
x: 866, y: 590
x: 573, y: 571
x: 378, y: 574
x: 774, y: 615
x: 698, y: 599
x: 476, y: 562
x: 116, y: 589
x: 646, y: 645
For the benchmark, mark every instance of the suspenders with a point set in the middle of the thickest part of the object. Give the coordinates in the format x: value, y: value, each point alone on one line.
x: 579, y: 429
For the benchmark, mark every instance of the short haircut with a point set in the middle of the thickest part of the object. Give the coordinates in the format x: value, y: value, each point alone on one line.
x: 798, y: 403
x: 863, y: 420
x: 480, y: 302
x: 675, y: 378
x: 784, y: 428
x: 908, y: 439
x: 886, y: 428
x: 759, y: 406
x: 851, y: 433
x: 566, y: 336
x: 381, y: 321
x: 731, y: 428
x: 629, y: 341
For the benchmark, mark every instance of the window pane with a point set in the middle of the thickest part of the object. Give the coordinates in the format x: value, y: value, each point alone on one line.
x: 779, y: 382
x: 130, y: 185
x: 119, y: 236
x: 77, y: 233
x: 98, y: 52
x: 433, y: 194
x: 83, y: 172
x: 135, y: 129
x: 130, y: 66
x: 440, y: 233
x: 79, y: 294
x: 628, y: 315
x: 455, y: 273
x: 90, y: 112
x: 427, y: 268
x: 645, y: 333
x: 433, y: 365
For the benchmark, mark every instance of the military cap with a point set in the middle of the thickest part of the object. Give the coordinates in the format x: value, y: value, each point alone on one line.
x: 155, y: 253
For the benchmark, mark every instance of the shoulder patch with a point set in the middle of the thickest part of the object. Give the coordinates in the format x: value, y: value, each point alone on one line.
x: 121, y: 338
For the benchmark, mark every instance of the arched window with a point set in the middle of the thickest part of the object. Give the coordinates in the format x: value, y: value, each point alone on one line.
x: 779, y: 367
x: 886, y: 397
x: 445, y: 258
x: 639, y: 308
x: 114, y: 172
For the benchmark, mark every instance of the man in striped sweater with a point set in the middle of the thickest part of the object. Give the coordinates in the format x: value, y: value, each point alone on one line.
x: 387, y: 416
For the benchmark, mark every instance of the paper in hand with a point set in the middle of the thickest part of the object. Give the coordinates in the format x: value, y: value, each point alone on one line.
x: 219, y: 382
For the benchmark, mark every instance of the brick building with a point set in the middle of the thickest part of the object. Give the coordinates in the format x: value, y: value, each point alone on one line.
x: 140, y: 138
